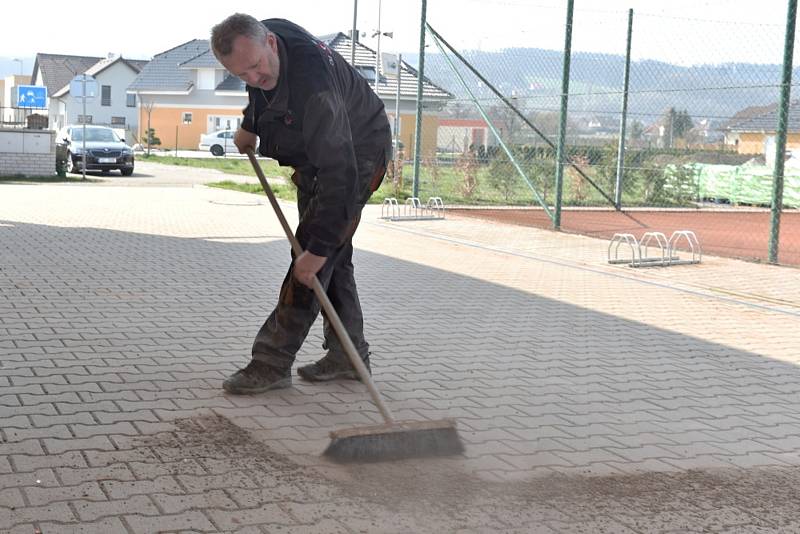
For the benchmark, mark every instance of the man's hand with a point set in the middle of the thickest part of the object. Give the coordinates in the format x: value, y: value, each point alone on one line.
x: 244, y: 140
x: 306, y: 267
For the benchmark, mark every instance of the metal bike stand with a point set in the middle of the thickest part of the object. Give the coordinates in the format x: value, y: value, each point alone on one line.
x: 694, y: 247
x: 619, y: 239
x: 436, y: 208
x: 645, y: 260
x: 390, y: 209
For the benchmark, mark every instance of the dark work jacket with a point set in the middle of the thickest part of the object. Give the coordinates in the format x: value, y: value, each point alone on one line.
x: 321, y: 118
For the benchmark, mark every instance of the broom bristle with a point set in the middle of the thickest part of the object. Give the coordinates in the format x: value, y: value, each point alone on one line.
x: 395, y: 441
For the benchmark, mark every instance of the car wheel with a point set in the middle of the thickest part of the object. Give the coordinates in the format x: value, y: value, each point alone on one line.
x: 126, y: 171
x: 217, y: 150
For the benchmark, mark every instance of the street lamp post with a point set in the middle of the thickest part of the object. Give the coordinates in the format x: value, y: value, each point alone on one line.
x: 20, y: 65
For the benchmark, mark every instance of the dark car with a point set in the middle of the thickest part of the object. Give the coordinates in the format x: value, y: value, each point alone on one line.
x: 105, y: 150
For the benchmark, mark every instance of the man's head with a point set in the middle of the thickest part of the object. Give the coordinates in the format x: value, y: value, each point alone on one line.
x: 248, y: 50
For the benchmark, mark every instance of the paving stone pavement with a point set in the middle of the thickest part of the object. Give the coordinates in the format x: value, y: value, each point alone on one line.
x: 590, y: 399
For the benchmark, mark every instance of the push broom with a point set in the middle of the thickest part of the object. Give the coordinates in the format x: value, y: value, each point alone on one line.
x: 393, y: 439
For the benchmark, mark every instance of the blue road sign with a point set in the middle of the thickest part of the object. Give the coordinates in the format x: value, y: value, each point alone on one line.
x: 31, y: 96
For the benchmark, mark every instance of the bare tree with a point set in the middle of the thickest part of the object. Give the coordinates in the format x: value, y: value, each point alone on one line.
x: 148, y: 108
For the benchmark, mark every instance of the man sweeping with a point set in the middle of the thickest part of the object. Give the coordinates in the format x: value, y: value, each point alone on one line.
x: 309, y: 109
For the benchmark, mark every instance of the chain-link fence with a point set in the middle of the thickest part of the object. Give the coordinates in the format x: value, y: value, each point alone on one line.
x: 700, y: 109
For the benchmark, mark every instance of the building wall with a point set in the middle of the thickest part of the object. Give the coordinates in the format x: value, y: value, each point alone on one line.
x: 429, y: 128
x: 168, y: 121
x: 204, y: 105
x: 754, y: 143
x: 751, y: 143
x: 27, y: 152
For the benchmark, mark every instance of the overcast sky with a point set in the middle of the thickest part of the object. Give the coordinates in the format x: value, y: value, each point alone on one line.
x: 679, y: 31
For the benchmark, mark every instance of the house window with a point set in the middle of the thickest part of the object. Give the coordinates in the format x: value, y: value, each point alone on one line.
x: 117, y: 121
x: 187, y: 117
x: 105, y: 96
x: 131, y: 101
x: 223, y: 122
x: 84, y: 119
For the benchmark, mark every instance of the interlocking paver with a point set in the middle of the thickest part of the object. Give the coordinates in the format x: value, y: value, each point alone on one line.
x: 95, y: 430
x: 21, y: 434
x: 72, y: 476
x: 180, y: 502
x: 193, y: 520
x: 11, y: 498
x: 24, y: 463
x: 58, y: 511
x: 136, y: 504
x: 103, y: 526
x: 579, y: 388
x: 145, y: 470
x: 117, y: 489
x: 230, y: 479
x: 39, y: 495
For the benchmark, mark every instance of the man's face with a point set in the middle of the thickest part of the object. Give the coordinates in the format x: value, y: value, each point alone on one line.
x: 255, y: 62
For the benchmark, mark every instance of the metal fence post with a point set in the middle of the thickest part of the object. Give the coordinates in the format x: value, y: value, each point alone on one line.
x: 780, y: 141
x: 562, y: 129
x: 420, y: 75
x: 397, y: 112
x: 623, y: 120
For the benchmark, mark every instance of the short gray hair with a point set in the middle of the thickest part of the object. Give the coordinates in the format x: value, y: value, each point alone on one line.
x: 238, y: 24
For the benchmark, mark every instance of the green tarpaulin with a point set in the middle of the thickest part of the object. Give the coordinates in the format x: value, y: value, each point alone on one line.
x: 744, y: 184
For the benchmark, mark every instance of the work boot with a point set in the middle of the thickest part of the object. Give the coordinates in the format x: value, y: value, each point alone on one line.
x: 257, y: 377
x: 331, y: 367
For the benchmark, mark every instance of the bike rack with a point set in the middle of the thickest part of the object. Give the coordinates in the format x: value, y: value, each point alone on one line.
x: 640, y: 249
x: 412, y: 210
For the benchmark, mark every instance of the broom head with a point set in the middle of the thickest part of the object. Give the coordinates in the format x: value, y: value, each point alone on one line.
x: 394, y: 441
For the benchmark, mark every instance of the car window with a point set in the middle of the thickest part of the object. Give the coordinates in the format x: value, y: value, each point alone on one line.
x: 100, y: 135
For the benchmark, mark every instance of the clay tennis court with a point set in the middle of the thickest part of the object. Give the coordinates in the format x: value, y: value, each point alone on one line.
x: 732, y: 233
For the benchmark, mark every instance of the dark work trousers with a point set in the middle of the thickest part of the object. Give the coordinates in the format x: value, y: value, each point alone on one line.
x: 286, y: 328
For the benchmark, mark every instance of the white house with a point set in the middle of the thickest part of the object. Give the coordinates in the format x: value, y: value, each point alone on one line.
x: 112, y: 106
